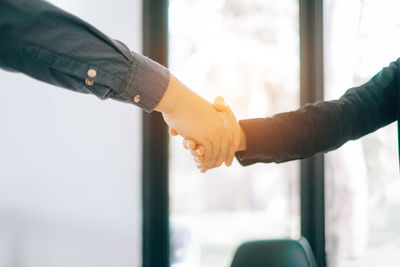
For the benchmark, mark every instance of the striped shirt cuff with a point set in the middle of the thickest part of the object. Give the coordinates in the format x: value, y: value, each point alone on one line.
x: 147, y: 84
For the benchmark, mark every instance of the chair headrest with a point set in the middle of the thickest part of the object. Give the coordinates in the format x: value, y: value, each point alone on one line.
x: 275, y: 253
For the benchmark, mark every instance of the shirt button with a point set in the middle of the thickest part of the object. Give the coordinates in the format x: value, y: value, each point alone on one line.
x: 89, y: 82
x: 92, y: 73
x: 136, y: 99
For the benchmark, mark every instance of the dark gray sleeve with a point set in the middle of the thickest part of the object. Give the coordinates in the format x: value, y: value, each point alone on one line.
x: 324, y: 126
x: 53, y: 46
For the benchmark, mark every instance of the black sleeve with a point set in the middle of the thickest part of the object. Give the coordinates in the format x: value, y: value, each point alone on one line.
x: 323, y: 126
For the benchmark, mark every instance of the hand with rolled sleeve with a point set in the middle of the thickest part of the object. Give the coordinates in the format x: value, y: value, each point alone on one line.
x: 53, y: 46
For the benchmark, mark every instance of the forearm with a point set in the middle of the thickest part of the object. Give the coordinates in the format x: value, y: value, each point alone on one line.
x: 168, y: 102
x: 323, y: 126
x: 294, y: 135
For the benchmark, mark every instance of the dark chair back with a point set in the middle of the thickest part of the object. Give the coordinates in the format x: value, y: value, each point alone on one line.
x: 275, y: 253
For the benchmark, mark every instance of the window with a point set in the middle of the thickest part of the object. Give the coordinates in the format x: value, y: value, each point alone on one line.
x: 362, y: 183
x: 248, y: 52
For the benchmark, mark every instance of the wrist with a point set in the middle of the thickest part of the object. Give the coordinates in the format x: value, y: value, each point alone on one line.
x: 168, y: 101
x: 242, y: 140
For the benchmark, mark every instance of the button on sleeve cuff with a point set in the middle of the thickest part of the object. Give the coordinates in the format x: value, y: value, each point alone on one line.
x: 147, y: 84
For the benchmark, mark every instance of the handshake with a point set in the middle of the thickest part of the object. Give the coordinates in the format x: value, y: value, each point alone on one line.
x: 211, y: 132
x: 226, y: 141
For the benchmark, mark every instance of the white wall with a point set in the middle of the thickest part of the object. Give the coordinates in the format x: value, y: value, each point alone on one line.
x: 70, y: 164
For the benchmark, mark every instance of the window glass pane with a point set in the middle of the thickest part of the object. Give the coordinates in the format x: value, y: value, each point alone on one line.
x: 246, y: 51
x: 70, y: 164
x: 363, y: 185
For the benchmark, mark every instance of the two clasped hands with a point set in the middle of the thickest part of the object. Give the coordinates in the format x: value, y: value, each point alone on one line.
x: 211, y: 132
x: 214, y: 153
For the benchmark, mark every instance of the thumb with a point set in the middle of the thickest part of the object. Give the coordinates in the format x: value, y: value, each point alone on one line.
x: 173, y: 132
x: 219, y: 104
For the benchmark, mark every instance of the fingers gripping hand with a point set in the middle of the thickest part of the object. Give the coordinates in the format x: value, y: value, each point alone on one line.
x: 220, y: 147
x: 225, y: 141
x: 228, y: 144
x: 235, y: 138
x: 215, y: 157
x: 197, y: 152
x: 192, y: 117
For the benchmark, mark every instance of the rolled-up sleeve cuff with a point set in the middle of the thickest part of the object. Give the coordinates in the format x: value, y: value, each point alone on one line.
x: 147, y: 84
x: 259, y: 141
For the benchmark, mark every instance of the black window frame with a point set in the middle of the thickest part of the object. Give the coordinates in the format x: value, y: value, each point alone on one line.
x: 155, y: 180
x: 155, y: 197
x: 312, y: 170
